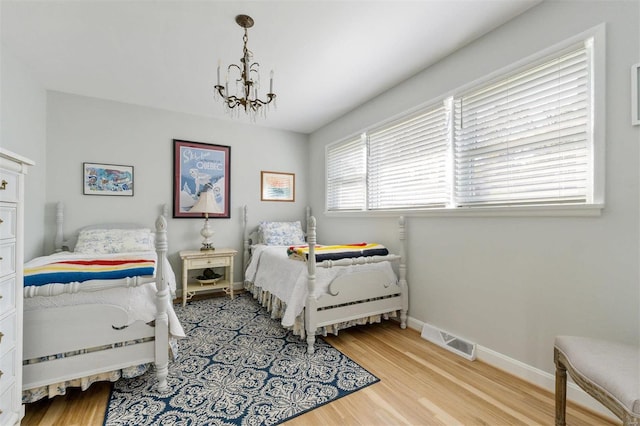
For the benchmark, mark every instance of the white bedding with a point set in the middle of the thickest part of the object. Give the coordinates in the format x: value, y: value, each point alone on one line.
x: 271, y: 269
x: 139, y: 302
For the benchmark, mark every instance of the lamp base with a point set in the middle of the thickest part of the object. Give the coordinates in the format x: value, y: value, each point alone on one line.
x: 207, y: 247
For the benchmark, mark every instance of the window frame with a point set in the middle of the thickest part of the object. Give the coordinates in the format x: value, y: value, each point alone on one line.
x: 595, y: 200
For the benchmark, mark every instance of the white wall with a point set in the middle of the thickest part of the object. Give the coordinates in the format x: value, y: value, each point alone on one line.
x: 512, y: 284
x: 82, y: 129
x: 23, y: 131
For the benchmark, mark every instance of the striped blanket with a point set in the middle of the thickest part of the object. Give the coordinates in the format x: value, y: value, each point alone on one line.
x: 65, y: 267
x: 336, y: 252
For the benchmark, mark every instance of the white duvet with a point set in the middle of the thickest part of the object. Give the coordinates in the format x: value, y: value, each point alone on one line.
x: 271, y: 269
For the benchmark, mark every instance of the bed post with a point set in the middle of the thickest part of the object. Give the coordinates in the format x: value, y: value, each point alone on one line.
x: 162, y: 302
x: 59, y: 239
x: 245, y: 240
x: 403, y: 272
x: 311, y: 307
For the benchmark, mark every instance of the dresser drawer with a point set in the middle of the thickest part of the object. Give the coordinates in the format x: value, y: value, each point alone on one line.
x: 7, y: 295
x: 7, y: 222
x: 7, y: 405
x: 7, y: 259
x: 209, y: 263
x: 8, y: 186
x: 8, y: 369
x: 8, y: 339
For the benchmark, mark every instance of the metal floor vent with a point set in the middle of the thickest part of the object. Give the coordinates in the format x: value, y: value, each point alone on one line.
x: 450, y: 342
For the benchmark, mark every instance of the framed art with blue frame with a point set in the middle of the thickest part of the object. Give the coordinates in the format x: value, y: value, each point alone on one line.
x: 200, y: 167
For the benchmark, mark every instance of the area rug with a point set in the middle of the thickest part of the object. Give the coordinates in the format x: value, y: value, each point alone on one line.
x: 237, y: 366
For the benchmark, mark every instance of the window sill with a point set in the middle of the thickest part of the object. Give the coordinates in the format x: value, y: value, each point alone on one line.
x: 507, y: 211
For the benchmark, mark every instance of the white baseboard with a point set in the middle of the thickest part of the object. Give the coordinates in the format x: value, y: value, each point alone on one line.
x: 532, y: 375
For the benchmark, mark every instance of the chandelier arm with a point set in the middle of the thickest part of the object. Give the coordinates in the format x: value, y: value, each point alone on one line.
x: 220, y: 90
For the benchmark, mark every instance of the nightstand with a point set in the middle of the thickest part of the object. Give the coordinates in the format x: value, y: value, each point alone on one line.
x: 218, y: 260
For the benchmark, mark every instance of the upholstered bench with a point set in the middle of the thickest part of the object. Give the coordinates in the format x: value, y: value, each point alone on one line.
x: 608, y: 371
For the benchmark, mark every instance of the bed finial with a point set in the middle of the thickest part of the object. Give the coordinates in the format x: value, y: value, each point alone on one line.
x: 245, y: 237
x: 59, y: 238
x: 165, y: 210
x: 402, y: 233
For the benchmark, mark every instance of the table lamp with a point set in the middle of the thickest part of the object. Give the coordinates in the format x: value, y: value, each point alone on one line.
x: 206, y: 204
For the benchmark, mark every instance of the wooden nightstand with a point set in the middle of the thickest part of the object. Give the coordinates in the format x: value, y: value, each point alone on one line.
x: 219, y: 260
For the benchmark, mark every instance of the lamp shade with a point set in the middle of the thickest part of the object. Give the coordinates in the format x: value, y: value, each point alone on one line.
x: 206, y: 203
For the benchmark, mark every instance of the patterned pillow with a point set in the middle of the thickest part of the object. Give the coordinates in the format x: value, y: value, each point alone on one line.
x: 104, y: 241
x: 281, y: 233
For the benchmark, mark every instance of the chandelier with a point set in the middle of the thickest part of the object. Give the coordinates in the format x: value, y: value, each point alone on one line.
x: 245, y: 79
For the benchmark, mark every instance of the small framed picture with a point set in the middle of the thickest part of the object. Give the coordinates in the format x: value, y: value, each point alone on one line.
x: 635, y: 94
x: 107, y: 179
x: 277, y: 186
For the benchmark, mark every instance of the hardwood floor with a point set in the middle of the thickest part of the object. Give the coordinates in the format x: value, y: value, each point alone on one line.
x: 420, y: 384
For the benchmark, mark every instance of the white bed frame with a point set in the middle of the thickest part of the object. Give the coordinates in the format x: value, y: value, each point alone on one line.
x: 75, y: 328
x: 352, y: 296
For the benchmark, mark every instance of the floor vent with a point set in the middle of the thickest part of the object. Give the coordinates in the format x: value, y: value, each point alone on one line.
x: 450, y: 342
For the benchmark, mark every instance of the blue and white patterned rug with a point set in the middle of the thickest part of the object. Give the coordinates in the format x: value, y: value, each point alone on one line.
x: 236, y: 367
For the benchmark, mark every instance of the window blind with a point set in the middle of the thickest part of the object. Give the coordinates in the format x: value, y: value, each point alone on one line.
x: 346, y: 175
x: 526, y: 139
x: 407, y: 162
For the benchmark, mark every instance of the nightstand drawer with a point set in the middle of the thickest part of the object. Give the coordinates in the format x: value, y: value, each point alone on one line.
x: 8, y: 186
x: 7, y: 295
x: 7, y: 222
x: 209, y: 263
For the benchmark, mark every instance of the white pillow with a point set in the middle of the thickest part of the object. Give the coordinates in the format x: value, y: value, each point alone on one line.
x: 104, y: 241
x: 281, y: 233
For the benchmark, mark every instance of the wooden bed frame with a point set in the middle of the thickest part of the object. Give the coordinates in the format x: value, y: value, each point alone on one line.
x: 352, y: 296
x: 48, y: 332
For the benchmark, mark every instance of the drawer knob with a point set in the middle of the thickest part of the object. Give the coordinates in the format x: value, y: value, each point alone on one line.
x: 1, y: 336
x: 1, y: 220
x: 3, y: 185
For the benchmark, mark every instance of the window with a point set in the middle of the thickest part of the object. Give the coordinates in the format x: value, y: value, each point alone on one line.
x: 525, y: 138
x: 407, y: 162
x: 347, y: 175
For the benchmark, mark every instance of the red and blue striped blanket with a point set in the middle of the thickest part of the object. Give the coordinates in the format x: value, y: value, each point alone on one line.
x: 65, y: 268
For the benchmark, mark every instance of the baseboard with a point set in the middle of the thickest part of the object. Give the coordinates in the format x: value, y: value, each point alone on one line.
x: 532, y: 375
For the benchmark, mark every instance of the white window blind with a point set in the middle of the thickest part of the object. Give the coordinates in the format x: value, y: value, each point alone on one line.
x: 407, y: 162
x: 527, y: 139
x: 346, y: 175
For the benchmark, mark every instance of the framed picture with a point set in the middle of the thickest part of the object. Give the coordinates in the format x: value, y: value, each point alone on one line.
x: 635, y: 95
x: 276, y: 186
x: 107, y: 179
x: 196, y: 167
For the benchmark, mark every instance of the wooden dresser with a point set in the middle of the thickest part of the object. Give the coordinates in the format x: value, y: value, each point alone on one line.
x: 13, y: 167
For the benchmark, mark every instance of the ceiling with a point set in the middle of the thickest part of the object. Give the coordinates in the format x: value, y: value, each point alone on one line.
x: 328, y: 56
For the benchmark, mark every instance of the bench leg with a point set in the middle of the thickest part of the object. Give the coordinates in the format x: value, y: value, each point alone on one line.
x: 561, y: 390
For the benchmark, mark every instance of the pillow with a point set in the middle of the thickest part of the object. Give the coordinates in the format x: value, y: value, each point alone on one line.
x: 105, y: 241
x: 281, y: 233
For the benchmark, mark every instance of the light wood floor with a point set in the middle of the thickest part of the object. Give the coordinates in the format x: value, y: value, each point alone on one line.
x: 421, y: 384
